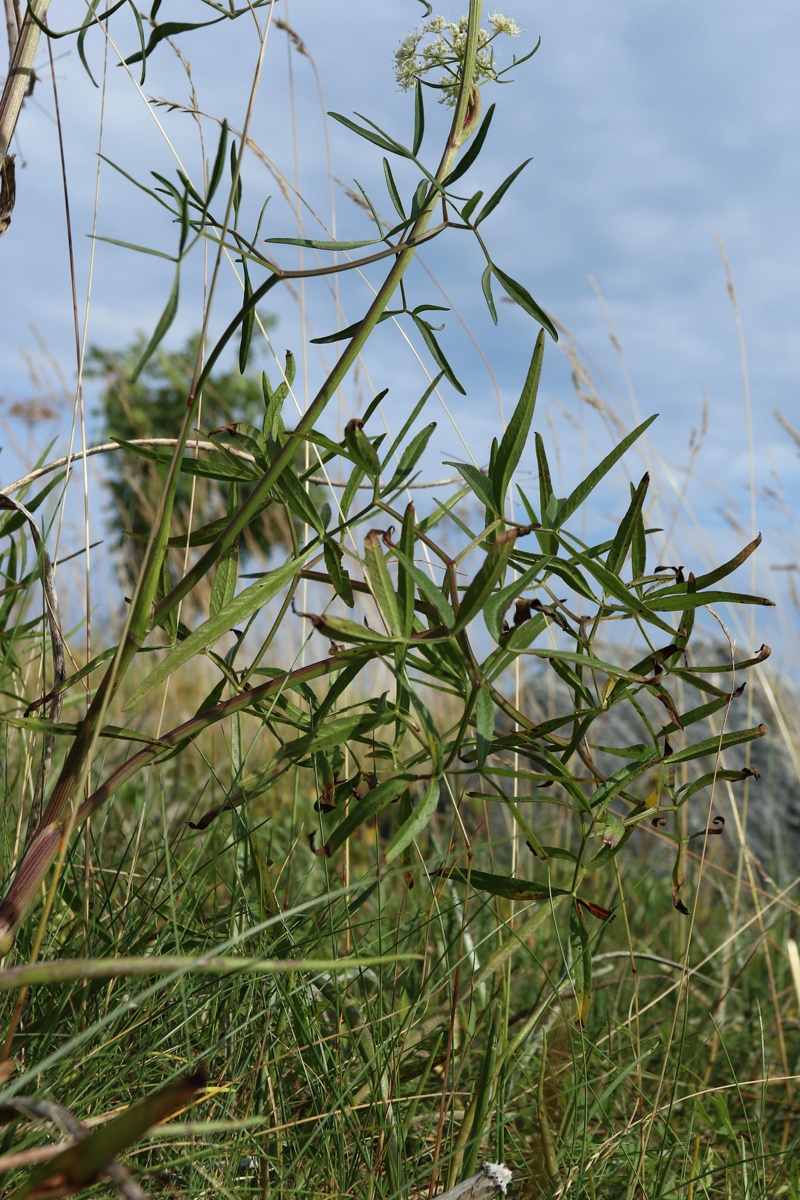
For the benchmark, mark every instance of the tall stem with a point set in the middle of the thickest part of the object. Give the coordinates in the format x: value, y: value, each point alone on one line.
x: 20, y: 70
x: 61, y: 815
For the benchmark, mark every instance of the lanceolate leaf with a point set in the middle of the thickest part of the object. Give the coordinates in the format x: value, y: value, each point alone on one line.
x: 219, y: 164
x: 486, y: 285
x: 365, y: 808
x: 493, y: 201
x: 227, y: 568
x: 719, y: 743
x: 469, y: 208
x: 684, y: 601
x: 409, y: 458
x: 377, y: 138
x: 473, y: 149
x: 247, y: 322
x: 484, y: 723
x: 479, y: 483
x: 584, y: 489
x: 704, y: 581
x: 616, y: 556
x: 436, y: 352
x: 498, y: 604
x: 515, y: 437
x: 427, y: 589
x: 391, y: 187
x: 419, y: 119
x: 410, y: 830
x: 501, y: 885
x: 235, y: 613
x: 405, y: 580
x: 581, y: 961
x: 339, y: 577
x: 169, y: 29
x: 381, y: 583
x: 525, y: 300
x: 487, y: 576
x: 164, y: 322
x: 335, y: 731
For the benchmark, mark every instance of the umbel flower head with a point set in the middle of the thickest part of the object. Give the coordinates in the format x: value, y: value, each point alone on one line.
x: 437, y: 49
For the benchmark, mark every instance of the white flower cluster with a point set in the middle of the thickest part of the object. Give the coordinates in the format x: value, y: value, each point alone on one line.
x: 439, y: 47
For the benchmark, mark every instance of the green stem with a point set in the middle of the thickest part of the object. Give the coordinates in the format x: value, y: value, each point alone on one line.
x: 61, y: 813
x: 462, y: 125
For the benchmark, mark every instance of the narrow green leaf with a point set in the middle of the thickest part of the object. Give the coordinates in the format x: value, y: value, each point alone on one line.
x: 89, y: 23
x: 704, y: 581
x: 378, y: 139
x: 581, y: 961
x: 501, y: 885
x: 391, y: 187
x: 484, y: 723
x: 324, y: 243
x: 515, y: 437
x: 684, y: 601
x: 135, y: 246
x: 235, y: 613
x: 483, y: 583
x: 486, y: 285
x: 420, y: 198
x: 410, y: 830
x: 499, y: 602
x: 469, y: 208
x: 351, y: 490
x: 334, y: 561
x: 711, y: 779
x: 638, y: 549
x: 525, y: 300
x: 427, y: 588
x: 300, y: 502
x: 169, y: 29
x: 190, y: 191
x: 428, y: 725
x: 378, y: 575
x: 478, y: 482
x: 481, y: 1105
x: 577, y: 497
x: 224, y: 580
x: 405, y: 580
x: 219, y: 164
x: 237, y: 195
x: 361, y: 448
x: 493, y: 201
x: 623, y: 538
x: 335, y: 731
x: 717, y: 744
x: 545, y: 482
x: 436, y: 352
x: 573, y: 578
x: 364, y: 809
x: 409, y: 458
x: 341, y: 629
x: 164, y: 322
x: 71, y: 728
x: 473, y: 149
x: 419, y: 119
x: 248, y: 321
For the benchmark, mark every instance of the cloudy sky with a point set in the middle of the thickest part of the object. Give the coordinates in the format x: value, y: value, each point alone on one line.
x: 654, y: 129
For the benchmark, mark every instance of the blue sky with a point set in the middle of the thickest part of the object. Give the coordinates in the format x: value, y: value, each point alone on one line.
x: 653, y: 127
